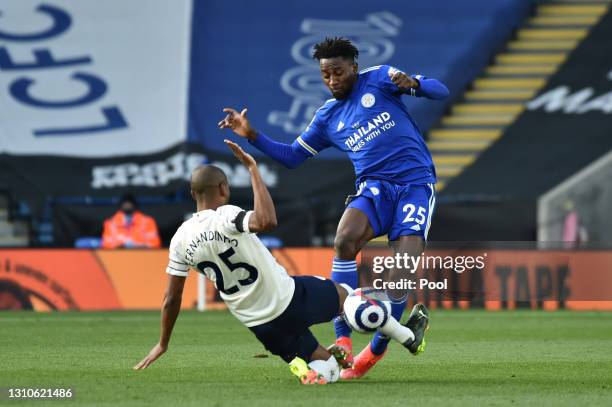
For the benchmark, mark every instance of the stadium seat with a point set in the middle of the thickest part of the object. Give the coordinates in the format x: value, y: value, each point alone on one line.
x: 88, y: 242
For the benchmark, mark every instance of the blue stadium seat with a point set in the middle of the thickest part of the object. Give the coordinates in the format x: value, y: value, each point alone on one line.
x: 88, y: 242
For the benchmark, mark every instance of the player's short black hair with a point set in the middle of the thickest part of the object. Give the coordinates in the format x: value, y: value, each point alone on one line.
x: 332, y: 47
x: 206, y: 177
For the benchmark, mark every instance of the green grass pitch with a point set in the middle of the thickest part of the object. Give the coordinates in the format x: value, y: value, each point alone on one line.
x: 472, y: 358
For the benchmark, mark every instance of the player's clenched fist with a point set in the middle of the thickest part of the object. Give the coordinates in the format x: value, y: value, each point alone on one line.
x: 403, y: 81
x: 238, y: 122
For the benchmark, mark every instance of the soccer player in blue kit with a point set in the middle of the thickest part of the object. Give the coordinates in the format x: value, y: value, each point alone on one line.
x: 395, y: 173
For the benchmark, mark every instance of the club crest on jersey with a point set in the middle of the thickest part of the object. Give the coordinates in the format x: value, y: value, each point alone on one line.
x: 368, y: 100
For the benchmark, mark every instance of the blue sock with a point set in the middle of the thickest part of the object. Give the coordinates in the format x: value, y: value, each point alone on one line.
x: 379, y: 342
x: 344, y: 272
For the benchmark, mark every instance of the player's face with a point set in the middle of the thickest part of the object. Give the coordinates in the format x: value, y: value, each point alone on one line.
x: 339, y: 75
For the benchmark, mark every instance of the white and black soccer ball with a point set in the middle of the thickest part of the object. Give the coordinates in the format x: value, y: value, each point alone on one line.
x: 363, y: 313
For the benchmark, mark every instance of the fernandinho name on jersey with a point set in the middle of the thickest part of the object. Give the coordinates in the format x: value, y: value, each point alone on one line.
x: 206, y: 237
x: 369, y: 131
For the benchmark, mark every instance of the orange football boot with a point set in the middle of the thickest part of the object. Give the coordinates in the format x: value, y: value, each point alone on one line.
x: 312, y: 377
x: 362, y: 364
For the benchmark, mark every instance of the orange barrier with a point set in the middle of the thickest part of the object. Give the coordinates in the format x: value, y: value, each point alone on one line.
x: 580, y: 280
x: 49, y: 279
x: 139, y: 277
x: 54, y: 280
x: 86, y: 280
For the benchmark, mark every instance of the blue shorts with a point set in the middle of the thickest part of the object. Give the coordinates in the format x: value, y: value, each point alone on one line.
x: 397, y: 210
x: 314, y: 301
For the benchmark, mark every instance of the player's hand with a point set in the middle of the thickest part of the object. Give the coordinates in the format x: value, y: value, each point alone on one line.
x: 238, y: 122
x: 404, y: 81
x: 245, y: 158
x: 155, y: 353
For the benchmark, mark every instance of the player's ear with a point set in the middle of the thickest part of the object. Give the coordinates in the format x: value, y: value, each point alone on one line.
x: 223, y: 189
x: 193, y: 195
x: 355, y: 67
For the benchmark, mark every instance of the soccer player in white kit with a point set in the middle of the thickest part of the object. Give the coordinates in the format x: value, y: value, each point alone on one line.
x: 219, y: 241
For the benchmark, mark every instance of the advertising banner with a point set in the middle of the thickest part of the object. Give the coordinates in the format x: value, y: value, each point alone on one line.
x: 62, y: 280
x: 82, y: 78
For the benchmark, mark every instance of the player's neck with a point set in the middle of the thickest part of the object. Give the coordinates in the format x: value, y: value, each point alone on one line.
x: 203, y: 205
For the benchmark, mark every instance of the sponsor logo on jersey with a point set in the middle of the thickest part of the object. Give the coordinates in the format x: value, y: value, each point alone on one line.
x: 369, y: 131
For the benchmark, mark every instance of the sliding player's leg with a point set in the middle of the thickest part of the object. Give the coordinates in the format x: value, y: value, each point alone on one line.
x: 315, y: 300
x: 316, y: 367
x: 307, y: 360
x: 321, y: 300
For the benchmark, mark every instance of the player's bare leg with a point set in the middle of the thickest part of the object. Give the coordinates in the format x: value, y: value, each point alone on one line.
x: 354, y: 231
x: 375, y: 350
x: 413, y: 246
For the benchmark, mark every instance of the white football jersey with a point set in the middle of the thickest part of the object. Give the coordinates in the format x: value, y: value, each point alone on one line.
x: 219, y: 244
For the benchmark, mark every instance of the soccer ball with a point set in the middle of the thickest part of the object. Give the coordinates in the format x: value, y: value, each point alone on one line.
x: 363, y: 313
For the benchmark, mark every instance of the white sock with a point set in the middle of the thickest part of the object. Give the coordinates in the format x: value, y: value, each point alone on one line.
x: 347, y: 288
x: 396, y: 331
x: 329, y: 369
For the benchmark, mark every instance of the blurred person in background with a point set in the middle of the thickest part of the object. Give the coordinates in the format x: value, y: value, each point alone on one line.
x: 574, y: 231
x: 130, y: 228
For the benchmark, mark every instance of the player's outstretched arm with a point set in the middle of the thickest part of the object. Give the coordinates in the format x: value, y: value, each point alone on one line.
x: 170, y: 311
x: 420, y: 86
x: 289, y: 155
x: 264, y: 213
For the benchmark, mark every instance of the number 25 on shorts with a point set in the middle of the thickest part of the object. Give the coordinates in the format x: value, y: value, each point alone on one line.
x: 411, y: 209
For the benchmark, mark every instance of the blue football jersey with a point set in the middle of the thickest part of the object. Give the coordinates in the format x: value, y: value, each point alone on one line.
x: 374, y: 128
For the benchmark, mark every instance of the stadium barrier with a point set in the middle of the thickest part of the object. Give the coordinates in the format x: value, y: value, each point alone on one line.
x: 586, y: 196
x: 88, y: 280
